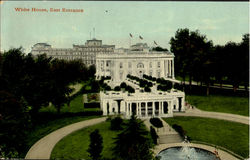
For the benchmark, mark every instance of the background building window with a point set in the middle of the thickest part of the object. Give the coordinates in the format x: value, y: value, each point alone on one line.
x: 120, y: 64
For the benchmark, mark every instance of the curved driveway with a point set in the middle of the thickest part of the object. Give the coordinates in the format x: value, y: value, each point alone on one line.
x: 216, y: 115
x: 43, y: 148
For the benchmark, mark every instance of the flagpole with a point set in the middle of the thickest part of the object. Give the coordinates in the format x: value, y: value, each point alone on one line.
x: 129, y: 42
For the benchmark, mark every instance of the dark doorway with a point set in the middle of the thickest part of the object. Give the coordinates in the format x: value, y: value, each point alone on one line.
x: 134, y: 108
x: 150, y: 108
x: 180, y: 106
x: 108, y: 108
x: 165, y: 107
x: 143, y: 109
x: 119, y: 105
x: 156, y: 108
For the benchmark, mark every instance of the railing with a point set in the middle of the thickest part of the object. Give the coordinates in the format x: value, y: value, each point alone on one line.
x: 221, y: 148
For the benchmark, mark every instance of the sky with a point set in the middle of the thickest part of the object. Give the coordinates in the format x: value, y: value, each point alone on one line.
x: 221, y: 22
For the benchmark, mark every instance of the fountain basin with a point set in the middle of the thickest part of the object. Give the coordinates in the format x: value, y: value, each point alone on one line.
x: 192, y: 153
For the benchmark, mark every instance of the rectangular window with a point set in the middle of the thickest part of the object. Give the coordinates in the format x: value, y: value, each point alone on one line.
x: 150, y: 64
x: 120, y: 64
x: 159, y: 64
x: 129, y: 65
x: 159, y: 74
x: 121, y: 74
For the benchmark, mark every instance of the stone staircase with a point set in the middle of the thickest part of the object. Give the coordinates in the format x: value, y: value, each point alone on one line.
x: 171, y: 138
x: 166, y: 134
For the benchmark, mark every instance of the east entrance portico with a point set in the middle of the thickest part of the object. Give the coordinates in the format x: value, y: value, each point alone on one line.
x: 160, y: 104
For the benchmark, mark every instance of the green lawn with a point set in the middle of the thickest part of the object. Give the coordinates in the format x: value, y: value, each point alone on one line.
x: 75, y: 145
x: 230, y: 135
x: 76, y: 105
x: 48, y: 120
x: 215, y: 103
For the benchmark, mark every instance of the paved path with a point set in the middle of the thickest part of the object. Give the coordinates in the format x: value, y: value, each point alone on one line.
x: 217, y: 115
x: 43, y: 148
x: 223, y: 155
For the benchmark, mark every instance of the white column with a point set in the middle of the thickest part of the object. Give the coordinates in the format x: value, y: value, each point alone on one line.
x: 173, y: 69
x: 162, y: 110
x: 183, y: 103
x: 140, y: 109
x: 136, y: 109
x: 153, y: 108
x: 146, y: 109
x: 130, y: 109
x: 170, y: 68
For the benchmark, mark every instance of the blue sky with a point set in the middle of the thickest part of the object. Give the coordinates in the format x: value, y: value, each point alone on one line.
x: 154, y: 21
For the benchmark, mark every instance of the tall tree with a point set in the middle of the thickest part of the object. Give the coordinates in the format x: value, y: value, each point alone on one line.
x: 191, y: 50
x: 133, y: 142
x: 244, y: 62
x: 180, y: 47
x: 95, y: 146
x: 14, y: 122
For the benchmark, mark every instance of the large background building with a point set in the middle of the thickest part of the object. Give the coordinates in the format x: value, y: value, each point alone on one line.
x: 87, y: 53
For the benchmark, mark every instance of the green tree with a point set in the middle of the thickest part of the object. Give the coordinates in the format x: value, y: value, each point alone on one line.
x: 190, y: 49
x: 14, y: 123
x: 133, y: 142
x: 158, y: 48
x: 116, y: 123
x: 95, y: 146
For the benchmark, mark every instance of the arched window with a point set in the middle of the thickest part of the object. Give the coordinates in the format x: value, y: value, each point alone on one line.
x: 140, y: 65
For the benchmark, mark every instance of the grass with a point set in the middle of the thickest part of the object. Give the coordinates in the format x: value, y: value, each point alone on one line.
x: 48, y: 120
x: 216, y: 103
x: 76, y: 105
x: 75, y: 145
x: 230, y: 135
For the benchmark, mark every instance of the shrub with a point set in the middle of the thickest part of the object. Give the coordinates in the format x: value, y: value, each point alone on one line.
x: 92, y: 105
x: 156, y: 122
x: 143, y: 83
x: 153, y: 79
x: 130, y: 89
x: 150, y: 84
x: 116, y: 123
x: 153, y: 134
x: 178, y: 86
x: 147, y: 89
x: 117, y: 88
x: 179, y: 129
x: 123, y: 85
x: 107, y: 88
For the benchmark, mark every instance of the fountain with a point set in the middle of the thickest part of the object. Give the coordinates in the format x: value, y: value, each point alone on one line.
x: 186, y: 152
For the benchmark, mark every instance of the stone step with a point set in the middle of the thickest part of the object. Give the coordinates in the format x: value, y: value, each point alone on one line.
x: 173, y: 138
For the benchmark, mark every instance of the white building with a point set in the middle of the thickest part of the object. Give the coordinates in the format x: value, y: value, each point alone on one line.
x: 87, y: 53
x: 137, y: 62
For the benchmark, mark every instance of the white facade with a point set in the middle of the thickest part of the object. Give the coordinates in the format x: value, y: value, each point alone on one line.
x: 158, y: 104
x: 87, y: 53
x: 137, y: 63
